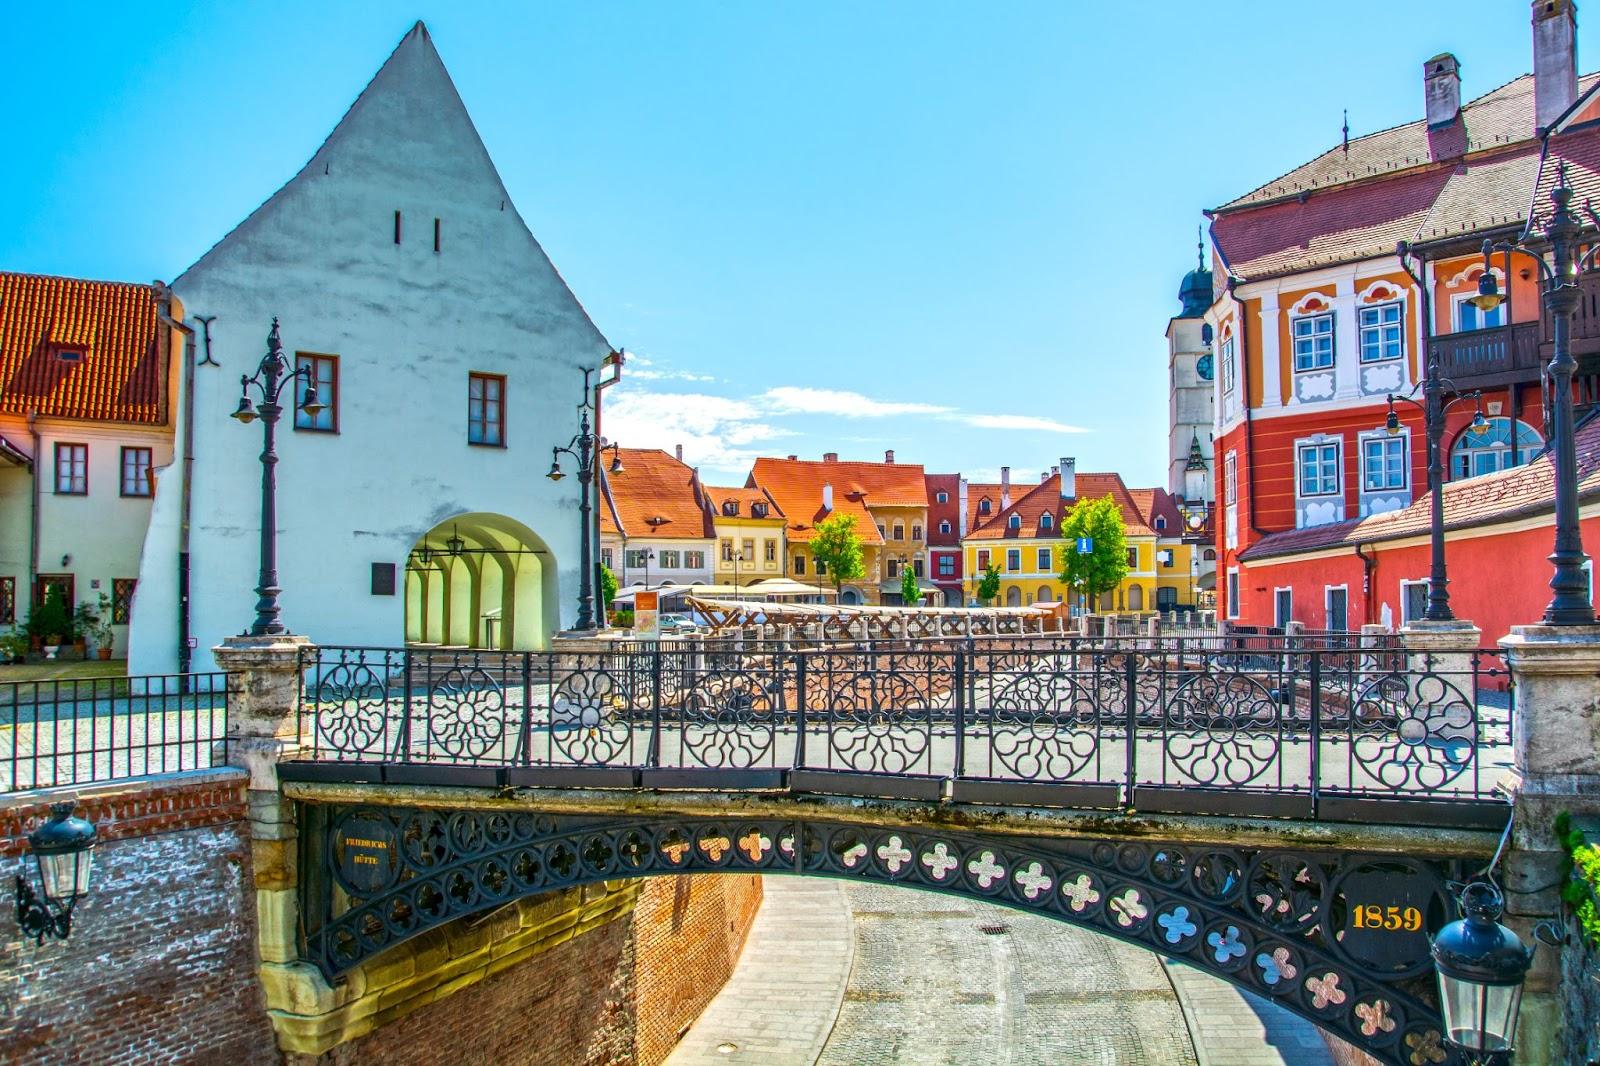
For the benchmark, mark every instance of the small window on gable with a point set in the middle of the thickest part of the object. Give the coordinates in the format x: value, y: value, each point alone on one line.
x: 1045, y: 521
x: 983, y: 505
x: 944, y: 527
x: 730, y: 507
x: 1161, y: 523
x: 70, y: 355
x: 944, y: 497
x: 758, y: 510
x: 1015, y: 522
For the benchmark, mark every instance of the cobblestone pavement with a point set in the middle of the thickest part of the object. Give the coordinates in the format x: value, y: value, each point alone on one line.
x: 934, y: 979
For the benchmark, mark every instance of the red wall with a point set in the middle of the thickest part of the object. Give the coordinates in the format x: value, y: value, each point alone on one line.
x: 1496, y: 581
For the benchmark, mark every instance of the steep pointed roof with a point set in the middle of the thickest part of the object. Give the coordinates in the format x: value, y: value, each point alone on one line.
x: 654, y: 496
x: 1045, y: 498
x: 408, y: 130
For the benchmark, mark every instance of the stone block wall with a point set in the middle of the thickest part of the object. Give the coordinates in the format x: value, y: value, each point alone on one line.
x: 161, y: 964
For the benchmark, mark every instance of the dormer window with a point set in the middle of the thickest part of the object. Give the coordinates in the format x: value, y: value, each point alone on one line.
x: 1015, y: 522
x: 983, y: 505
x: 1161, y: 523
x: 943, y: 497
x: 758, y: 510
x: 70, y: 355
x: 1045, y: 520
x: 730, y: 507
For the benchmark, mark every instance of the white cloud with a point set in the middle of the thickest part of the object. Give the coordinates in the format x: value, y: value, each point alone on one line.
x: 1020, y: 422
x: 799, y: 400
x: 668, y: 375
x: 715, y: 432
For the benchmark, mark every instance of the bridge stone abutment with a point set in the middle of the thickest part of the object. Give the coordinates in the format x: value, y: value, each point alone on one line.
x: 1556, y: 755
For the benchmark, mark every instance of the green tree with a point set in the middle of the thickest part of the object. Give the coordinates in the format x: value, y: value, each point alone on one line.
x: 837, y: 547
x: 910, y: 587
x: 608, y: 585
x: 989, y: 586
x: 1102, y: 569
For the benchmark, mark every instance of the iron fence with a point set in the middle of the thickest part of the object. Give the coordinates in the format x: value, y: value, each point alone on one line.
x: 1217, y: 725
x: 77, y: 731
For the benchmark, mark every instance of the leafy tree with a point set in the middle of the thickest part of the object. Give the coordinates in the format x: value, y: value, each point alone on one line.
x: 837, y: 546
x: 608, y: 585
x: 1102, y: 569
x: 910, y: 587
x: 989, y: 586
x: 49, y: 621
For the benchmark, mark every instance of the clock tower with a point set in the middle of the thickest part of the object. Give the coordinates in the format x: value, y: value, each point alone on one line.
x: 1191, y: 371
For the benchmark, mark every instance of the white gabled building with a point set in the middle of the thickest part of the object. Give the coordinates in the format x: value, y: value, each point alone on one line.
x: 451, y: 354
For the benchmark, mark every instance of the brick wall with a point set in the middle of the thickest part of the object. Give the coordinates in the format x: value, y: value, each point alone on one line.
x: 688, y: 932
x: 161, y: 965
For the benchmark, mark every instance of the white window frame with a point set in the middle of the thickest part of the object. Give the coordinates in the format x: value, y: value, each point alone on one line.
x: 1226, y: 352
x: 1300, y: 447
x: 1381, y: 328
x: 1282, y: 623
x: 1013, y: 560
x: 1405, y: 584
x: 1403, y: 440
x: 1045, y: 521
x: 942, y: 497
x: 1459, y: 299
x: 1233, y: 587
x: 1043, y: 560
x: 1015, y: 521
x: 1314, y: 363
x: 1230, y: 477
x: 1327, y: 604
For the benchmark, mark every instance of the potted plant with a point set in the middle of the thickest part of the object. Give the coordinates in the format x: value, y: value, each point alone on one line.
x: 14, y: 645
x: 82, y: 625
x: 100, y: 629
x: 49, y: 622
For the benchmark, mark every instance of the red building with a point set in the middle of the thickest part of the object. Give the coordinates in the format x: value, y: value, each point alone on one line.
x: 946, y: 525
x: 1316, y: 323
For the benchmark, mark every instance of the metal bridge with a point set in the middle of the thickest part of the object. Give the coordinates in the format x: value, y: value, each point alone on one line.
x: 1213, y: 799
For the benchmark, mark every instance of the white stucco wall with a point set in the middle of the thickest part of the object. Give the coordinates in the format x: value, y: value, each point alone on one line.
x: 408, y: 324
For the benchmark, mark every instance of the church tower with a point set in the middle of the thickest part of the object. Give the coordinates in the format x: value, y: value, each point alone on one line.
x: 1190, y: 402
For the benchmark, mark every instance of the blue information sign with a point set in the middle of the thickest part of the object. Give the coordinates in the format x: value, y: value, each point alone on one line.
x: 1085, y: 545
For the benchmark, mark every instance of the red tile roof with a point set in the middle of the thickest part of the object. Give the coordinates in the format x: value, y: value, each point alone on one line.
x: 654, y: 496
x: 795, y: 485
x: 1045, y: 498
x: 1491, y: 498
x: 122, y: 376
x: 977, y: 492
x: 1407, y: 183
x: 743, y: 497
x: 1158, y: 503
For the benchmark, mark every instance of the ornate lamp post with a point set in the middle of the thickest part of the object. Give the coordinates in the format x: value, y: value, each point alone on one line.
x: 1434, y: 406
x: 63, y: 851
x: 1481, y: 967
x: 1569, y: 606
x: 269, y: 381
x: 584, y: 448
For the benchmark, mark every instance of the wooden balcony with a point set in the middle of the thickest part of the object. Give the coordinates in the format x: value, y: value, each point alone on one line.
x: 1484, y: 358
x: 1585, y: 325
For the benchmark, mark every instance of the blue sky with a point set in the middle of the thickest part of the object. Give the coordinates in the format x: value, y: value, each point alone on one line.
x: 952, y: 230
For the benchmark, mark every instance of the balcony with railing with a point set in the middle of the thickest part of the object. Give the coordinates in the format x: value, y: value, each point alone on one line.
x: 1483, y: 358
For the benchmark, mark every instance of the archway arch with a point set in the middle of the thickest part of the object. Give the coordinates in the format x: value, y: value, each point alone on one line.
x: 480, y: 580
x: 1135, y: 597
x: 1256, y: 918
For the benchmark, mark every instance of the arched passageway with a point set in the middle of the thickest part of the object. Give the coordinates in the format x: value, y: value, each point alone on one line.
x: 481, y: 581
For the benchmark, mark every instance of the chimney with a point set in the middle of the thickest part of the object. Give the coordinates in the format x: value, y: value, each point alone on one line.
x: 1441, y: 89
x: 1044, y: 476
x: 679, y: 450
x: 794, y: 458
x: 830, y: 457
x: 1555, y: 59
x: 1069, y: 479
x: 1005, y: 487
x: 888, y: 455
x: 827, y: 497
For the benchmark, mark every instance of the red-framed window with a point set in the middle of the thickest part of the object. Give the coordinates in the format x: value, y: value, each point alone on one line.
x: 324, y: 370
x: 136, y: 472
x: 486, y: 410
x: 72, y: 469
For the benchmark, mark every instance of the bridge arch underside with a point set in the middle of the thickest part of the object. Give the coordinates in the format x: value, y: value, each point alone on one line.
x: 481, y: 580
x: 1338, y: 938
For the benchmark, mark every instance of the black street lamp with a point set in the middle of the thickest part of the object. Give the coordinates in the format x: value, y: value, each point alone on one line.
x: 270, y: 380
x: 1434, y: 406
x: 584, y: 448
x: 1481, y: 966
x: 63, y: 852
x: 1569, y: 606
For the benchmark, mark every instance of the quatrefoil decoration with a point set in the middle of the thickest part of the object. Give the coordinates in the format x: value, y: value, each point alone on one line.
x: 853, y: 854
x: 1080, y: 893
x: 1176, y: 925
x: 939, y: 861
x: 754, y: 844
x: 1425, y: 1048
x: 675, y: 850
x: 715, y: 847
x: 1276, y: 967
x: 1128, y: 909
x: 1225, y: 945
x: 894, y: 854
x: 1034, y: 881
x: 1325, y: 991
x: 1375, y: 1017
x: 985, y: 870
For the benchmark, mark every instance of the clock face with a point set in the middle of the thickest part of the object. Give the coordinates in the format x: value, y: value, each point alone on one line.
x: 1203, y: 367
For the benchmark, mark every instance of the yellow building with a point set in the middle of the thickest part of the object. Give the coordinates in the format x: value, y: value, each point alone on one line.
x: 1181, y: 562
x: 1022, y: 536
x: 749, y: 532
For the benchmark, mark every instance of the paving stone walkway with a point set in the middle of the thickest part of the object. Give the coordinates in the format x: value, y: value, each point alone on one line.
x: 854, y: 974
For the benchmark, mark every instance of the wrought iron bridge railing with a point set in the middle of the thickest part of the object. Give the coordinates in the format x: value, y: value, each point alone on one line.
x: 77, y: 731
x: 1257, y: 725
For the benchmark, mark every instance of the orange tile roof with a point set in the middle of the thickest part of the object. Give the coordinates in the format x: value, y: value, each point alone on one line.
x: 976, y: 492
x: 1479, y: 501
x: 1045, y: 497
x: 654, y: 496
x: 122, y: 376
x: 795, y: 485
x: 744, y: 496
x: 1158, y: 503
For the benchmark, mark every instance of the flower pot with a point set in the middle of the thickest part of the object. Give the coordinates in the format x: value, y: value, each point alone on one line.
x: 52, y: 650
x: 104, y: 654
x: 81, y: 647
